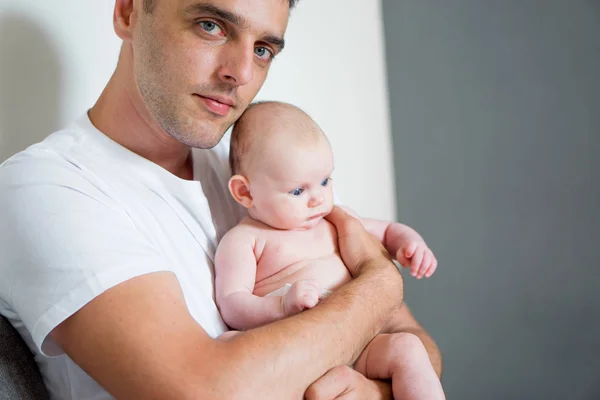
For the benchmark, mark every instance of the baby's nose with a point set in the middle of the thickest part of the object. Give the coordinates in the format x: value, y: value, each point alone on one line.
x: 316, y: 200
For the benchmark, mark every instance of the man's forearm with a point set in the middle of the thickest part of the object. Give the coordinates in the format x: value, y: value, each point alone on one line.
x: 299, y: 349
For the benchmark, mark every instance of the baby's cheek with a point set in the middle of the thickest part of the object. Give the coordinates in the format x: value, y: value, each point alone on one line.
x: 291, y: 211
x: 329, y: 201
x: 330, y: 195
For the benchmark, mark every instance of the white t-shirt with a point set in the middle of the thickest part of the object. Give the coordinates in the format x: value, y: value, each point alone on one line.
x: 81, y: 214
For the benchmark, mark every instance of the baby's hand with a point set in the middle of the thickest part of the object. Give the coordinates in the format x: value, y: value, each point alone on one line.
x: 302, y: 295
x: 415, y: 254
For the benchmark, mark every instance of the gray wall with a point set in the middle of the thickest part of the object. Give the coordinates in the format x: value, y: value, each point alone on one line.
x: 496, y: 126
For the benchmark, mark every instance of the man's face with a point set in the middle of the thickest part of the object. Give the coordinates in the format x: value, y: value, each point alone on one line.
x: 199, y: 63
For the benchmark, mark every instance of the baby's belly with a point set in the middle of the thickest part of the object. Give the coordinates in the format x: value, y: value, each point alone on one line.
x: 329, y: 271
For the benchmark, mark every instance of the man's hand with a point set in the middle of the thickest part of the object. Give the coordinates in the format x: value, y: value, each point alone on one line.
x: 344, y: 383
x: 405, y: 243
x: 357, y: 246
x: 414, y: 254
x: 303, y: 294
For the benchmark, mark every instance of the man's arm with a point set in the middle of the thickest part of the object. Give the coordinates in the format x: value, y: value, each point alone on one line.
x: 138, y: 339
x: 349, y: 383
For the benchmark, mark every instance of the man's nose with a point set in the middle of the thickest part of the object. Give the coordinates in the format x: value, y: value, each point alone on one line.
x: 237, y: 66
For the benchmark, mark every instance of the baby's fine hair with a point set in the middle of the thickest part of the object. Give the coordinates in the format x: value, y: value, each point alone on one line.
x: 243, y: 138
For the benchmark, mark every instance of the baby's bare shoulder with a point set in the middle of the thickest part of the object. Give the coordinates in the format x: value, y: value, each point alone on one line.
x: 248, y: 229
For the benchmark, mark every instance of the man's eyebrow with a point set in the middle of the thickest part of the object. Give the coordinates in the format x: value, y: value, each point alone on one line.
x: 215, y: 11
x: 203, y: 8
x: 275, y: 41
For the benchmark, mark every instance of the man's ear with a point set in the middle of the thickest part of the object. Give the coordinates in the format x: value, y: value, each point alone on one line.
x: 240, y: 190
x: 124, y: 13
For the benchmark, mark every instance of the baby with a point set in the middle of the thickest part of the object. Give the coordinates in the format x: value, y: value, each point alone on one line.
x: 283, y: 258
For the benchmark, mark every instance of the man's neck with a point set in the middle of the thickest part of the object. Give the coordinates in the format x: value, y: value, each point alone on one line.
x: 121, y: 115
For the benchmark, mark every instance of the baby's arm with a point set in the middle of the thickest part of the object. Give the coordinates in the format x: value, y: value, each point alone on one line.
x: 235, y: 276
x: 403, y: 243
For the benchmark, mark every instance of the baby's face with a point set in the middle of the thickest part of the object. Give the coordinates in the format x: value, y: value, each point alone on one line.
x: 292, y: 188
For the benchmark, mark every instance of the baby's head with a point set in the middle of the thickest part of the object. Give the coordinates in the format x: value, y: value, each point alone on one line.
x: 281, y: 163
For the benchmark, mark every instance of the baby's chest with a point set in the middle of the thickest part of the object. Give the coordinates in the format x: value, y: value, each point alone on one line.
x: 285, y: 248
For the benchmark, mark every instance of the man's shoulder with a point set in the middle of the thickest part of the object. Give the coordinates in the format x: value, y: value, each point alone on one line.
x: 55, y: 168
x: 57, y: 152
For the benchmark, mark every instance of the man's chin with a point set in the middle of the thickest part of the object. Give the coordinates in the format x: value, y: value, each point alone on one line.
x: 208, y: 144
x: 214, y: 137
x: 197, y: 142
x: 203, y: 136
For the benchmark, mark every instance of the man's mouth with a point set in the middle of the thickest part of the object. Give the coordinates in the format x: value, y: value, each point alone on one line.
x: 219, y: 105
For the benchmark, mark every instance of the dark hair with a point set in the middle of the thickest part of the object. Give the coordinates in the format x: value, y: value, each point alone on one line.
x: 149, y: 5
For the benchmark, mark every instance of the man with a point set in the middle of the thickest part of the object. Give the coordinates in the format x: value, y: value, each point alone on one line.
x: 111, y: 226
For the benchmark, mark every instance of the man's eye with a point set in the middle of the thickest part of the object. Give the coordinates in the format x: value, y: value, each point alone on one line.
x: 297, y: 192
x: 263, y: 53
x: 325, y: 182
x: 211, y: 27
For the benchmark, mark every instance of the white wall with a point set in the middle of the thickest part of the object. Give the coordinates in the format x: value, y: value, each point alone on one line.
x: 56, y: 56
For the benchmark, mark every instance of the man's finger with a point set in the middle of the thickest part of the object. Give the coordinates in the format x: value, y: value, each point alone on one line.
x: 337, y: 215
x: 331, y: 385
x: 344, y: 223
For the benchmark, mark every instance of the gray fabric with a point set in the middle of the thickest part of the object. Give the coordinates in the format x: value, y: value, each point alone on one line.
x: 20, y: 378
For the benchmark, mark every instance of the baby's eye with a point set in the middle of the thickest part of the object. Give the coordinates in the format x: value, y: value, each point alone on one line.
x: 297, y: 192
x: 325, y: 182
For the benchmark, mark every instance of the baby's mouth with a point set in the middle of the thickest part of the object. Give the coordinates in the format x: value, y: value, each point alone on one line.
x: 317, y: 216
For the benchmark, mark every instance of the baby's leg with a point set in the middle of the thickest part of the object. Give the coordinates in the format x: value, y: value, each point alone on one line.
x: 402, y: 358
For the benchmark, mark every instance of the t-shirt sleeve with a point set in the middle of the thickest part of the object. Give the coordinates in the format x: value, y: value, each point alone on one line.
x: 63, y: 241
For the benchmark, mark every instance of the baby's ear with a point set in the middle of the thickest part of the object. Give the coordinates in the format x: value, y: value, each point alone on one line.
x: 240, y: 190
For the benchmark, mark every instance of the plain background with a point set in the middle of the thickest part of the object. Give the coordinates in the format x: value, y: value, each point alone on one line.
x: 496, y: 127
x: 495, y: 113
